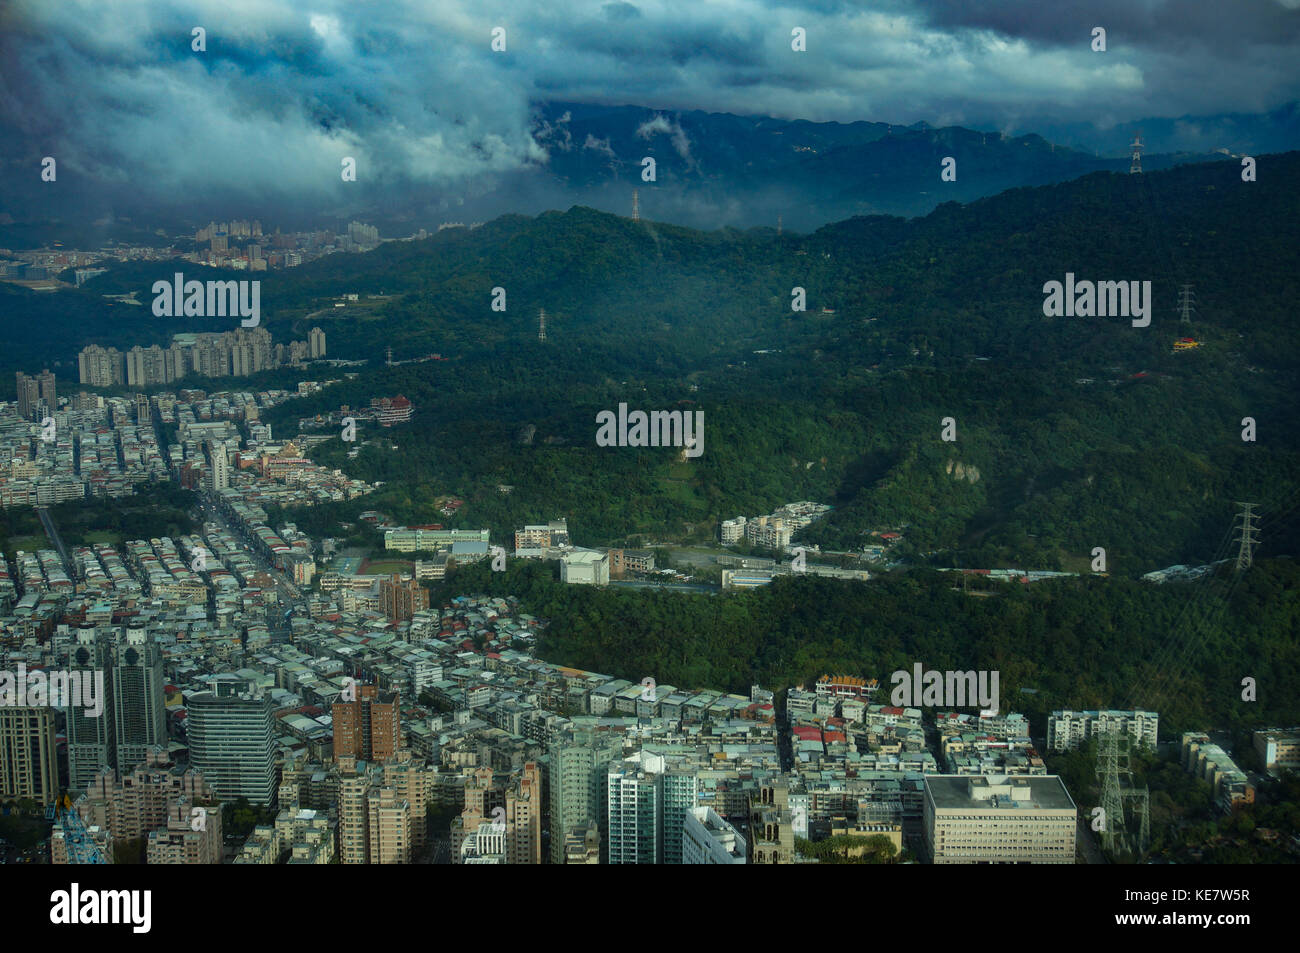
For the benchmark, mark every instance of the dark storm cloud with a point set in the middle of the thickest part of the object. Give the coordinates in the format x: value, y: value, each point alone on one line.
x: 412, y: 90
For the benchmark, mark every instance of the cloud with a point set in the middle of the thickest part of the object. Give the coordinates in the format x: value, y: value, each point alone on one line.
x: 673, y: 129
x: 412, y: 90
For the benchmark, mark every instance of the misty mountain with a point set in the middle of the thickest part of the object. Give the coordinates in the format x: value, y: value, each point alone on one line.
x: 712, y: 170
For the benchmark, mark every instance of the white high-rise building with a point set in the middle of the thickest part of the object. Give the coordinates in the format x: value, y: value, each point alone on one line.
x: 708, y: 839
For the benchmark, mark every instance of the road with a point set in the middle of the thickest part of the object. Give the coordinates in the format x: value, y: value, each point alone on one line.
x: 288, y: 592
x: 53, y: 533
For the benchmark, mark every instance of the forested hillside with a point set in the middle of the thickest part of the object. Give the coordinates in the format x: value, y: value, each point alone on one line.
x: 1085, y: 643
x: 1071, y: 433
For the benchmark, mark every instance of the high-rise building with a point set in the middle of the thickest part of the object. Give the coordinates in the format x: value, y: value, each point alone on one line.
x: 231, y: 741
x: 219, y: 470
x: 524, y: 817
x: 186, y: 838
x: 138, y: 712
x: 400, y: 599
x: 100, y: 367
x: 414, y: 782
x: 579, y: 756
x: 708, y: 839
x: 356, y: 779
x: 92, y: 740
x: 138, y: 803
x: 29, y: 394
x: 390, y: 827
x: 316, y: 343
x: 29, y: 766
x: 680, y: 798
x: 635, y: 812
x: 368, y: 728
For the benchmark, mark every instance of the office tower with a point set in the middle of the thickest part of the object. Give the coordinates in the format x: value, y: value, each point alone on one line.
x: 390, y: 827
x: 29, y: 394
x: 578, y: 758
x: 232, y: 743
x: 635, y: 811
x: 708, y: 839
x: 316, y: 343
x: 400, y: 599
x: 92, y: 741
x: 370, y: 727
x: 138, y: 713
x: 978, y: 819
x: 29, y: 766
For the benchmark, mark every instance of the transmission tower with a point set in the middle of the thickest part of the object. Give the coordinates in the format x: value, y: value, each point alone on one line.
x: 388, y: 356
x: 636, y: 207
x: 778, y: 225
x: 1249, y: 535
x: 1117, y: 790
x: 1186, y: 303
x: 1135, y: 167
x: 541, y: 325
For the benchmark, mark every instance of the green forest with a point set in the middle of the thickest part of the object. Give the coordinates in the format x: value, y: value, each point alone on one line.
x: 1179, y: 648
x: 1070, y: 433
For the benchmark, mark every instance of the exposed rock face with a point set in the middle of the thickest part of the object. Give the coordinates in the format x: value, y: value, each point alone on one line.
x: 961, y: 471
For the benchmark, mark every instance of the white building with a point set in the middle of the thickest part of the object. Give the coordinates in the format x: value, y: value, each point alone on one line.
x: 708, y: 839
x: 733, y: 531
x: 1068, y: 729
x: 585, y: 567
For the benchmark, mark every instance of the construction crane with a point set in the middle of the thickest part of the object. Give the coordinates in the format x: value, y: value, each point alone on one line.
x: 81, y: 849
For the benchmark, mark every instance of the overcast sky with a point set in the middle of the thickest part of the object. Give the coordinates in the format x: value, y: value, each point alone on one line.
x: 415, y: 93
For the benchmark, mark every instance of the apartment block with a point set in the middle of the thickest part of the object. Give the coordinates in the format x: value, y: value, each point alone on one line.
x: 399, y: 598
x: 187, y: 838
x: 1278, y: 749
x: 1204, y: 759
x: 29, y: 765
x: 1069, y: 729
x: 368, y: 728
